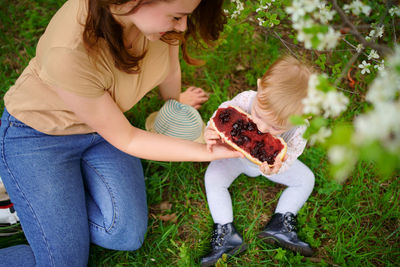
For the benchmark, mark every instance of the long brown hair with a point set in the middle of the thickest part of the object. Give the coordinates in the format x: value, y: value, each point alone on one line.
x: 205, y: 23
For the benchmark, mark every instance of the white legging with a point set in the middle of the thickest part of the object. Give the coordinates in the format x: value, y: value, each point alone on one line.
x: 220, y: 174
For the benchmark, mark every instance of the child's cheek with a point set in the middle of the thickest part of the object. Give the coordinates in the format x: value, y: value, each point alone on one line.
x: 262, y: 127
x: 275, y: 132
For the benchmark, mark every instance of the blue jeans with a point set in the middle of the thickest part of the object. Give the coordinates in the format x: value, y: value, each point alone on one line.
x: 69, y: 191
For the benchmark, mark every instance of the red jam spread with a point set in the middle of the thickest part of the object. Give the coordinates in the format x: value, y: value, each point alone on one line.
x: 242, y: 131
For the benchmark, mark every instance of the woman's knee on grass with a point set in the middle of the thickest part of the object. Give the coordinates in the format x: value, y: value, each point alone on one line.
x: 126, y: 234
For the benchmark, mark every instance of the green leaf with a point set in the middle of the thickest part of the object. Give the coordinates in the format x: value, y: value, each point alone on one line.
x: 324, y: 84
x: 315, y: 124
x: 321, y: 61
x: 371, y: 151
x: 318, y: 122
x: 315, y: 41
x: 387, y: 164
x: 385, y: 161
x: 342, y: 134
x: 280, y: 254
x: 297, y: 120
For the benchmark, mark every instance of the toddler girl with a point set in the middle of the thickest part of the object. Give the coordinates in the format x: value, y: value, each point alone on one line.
x: 279, y: 95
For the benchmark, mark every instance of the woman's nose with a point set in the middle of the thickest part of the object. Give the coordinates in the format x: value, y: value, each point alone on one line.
x: 181, y: 24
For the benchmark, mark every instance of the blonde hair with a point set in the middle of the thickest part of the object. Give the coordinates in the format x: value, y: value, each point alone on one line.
x: 282, y: 88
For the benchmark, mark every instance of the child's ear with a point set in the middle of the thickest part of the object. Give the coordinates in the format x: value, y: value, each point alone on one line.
x: 258, y: 84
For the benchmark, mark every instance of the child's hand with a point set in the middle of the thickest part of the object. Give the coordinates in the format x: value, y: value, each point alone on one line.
x: 267, y: 170
x: 211, y: 137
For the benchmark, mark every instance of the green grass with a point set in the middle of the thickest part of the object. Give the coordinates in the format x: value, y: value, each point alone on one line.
x: 354, y: 224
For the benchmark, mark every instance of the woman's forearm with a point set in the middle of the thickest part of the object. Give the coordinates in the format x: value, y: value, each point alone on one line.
x: 159, y: 147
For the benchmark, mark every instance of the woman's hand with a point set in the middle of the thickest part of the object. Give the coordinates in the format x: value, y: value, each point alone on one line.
x: 215, y: 144
x: 223, y: 151
x: 193, y: 96
x: 267, y: 170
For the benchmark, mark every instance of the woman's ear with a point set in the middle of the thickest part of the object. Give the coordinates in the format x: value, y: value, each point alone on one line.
x: 123, y: 8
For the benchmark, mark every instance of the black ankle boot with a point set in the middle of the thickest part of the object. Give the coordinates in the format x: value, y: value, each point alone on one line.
x: 224, y: 240
x: 281, y: 230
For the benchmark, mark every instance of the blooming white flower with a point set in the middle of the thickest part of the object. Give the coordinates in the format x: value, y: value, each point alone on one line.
x: 382, y: 89
x: 343, y: 156
x: 364, y: 66
x: 306, y: 14
x: 380, y: 30
x: 310, y: 5
x: 320, y: 136
x: 328, y: 40
x: 376, y: 32
x: 366, y: 9
x: 372, y: 33
x: 357, y: 7
x: 239, y: 8
x: 302, y: 24
x: 300, y: 8
x: 386, y: 86
x: 295, y: 11
x: 301, y: 35
x: 337, y: 154
x: 324, y: 15
x: 260, y: 21
x: 373, y: 54
x: 313, y: 81
x: 380, y: 66
x: 359, y: 48
x: 334, y: 103
x: 394, y: 60
x: 312, y: 103
x: 394, y: 11
x: 264, y: 6
x: 317, y: 102
x: 347, y: 8
x: 382, y: 123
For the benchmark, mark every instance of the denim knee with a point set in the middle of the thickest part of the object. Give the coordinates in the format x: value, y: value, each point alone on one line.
x: 131, y: 236
x: 134, y: 238
x: 125, y: 235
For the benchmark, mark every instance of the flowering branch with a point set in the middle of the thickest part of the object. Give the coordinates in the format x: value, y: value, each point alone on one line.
x: 384, y: 50
x: 372, y: 134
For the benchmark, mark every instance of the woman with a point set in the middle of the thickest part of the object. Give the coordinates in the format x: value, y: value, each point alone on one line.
x: 70, y: 158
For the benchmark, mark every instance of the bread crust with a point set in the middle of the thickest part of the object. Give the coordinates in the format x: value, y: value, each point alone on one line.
x: 281, y: 154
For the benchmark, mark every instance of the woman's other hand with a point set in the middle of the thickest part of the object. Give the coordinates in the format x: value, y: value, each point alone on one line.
x: 193, y: 96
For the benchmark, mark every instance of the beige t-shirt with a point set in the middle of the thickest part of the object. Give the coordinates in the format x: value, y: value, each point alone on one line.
x: 62, y: 61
